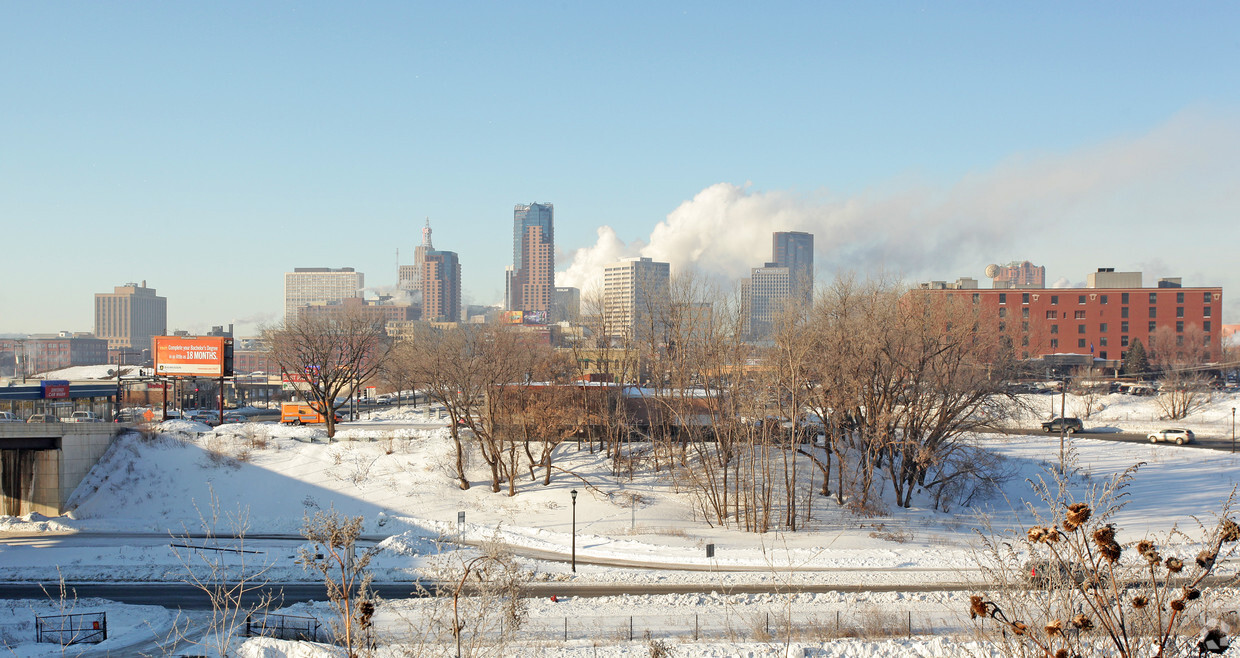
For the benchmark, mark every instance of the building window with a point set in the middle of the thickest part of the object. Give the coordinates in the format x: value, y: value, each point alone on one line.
x: 1054, y: 328
x: 1123, y: 298
x: 1123, y: 311
x: 1002, y: 326
x: 1179, y: 298
x: 1024, y: 341
x: 1024, y: 313
x: 1205, y: 326
x: 977, y: 297
x: 1103, y: 299
x: 1153, y: 311
x: 1080, y: 299
x: 1024, y: 297
x: 1153, y: 327
x: 1153, y: 298
x: 1079, y: 315
x: 1003, y: 298
x: 1080, y: 342
x: 1054, y: 299
x: 1080, y: 328
x: 1179, y: 326
x: 1205, y: 312
x: 1024, y: 326
x: 1102, y: 328
x: 1102, y: 342
x: 1179, y: 341
x: 1209, y: 297
x: 1054, y: 343
x: 1123, y: 326
x: 1179, y: 311
x: 1003, y: 312
x: 1123, y: 341
x: 1052, y: 315
x: 1102, y: 354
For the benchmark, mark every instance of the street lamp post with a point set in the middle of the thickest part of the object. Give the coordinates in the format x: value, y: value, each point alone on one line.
x: 1233, y: 430
x: 573, y: 493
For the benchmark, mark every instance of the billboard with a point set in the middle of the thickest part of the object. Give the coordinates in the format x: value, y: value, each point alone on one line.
x: 535, y: 317
x: 185, y: 356
x: 511, y: 317
x: 55, y: 390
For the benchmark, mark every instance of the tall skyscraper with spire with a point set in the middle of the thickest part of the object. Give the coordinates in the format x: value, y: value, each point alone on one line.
x: 410, y: 277
x: 530, y: 281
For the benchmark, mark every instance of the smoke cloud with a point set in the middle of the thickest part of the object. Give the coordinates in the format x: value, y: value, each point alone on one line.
x: 1025, y: 208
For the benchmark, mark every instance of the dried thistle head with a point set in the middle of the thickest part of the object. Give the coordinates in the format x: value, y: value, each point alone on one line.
x: 1228, y: 530
x: 1019, y: 627
x: 977, y: 607
x: 1205, y: 559
x: 1036, y: 534
x: 1175, y: 564
x: 1191, y: 593
x: 1078, y: 514
x: 1152, y: 557
x: 1062, y: 653
x: 1082, y: 622
x: 1104, y: 538
x: 1178, y: 605
x: 1145, y: 546
x: 1052, y: 535
x: 1139, y: 601
x: 1055, y: 628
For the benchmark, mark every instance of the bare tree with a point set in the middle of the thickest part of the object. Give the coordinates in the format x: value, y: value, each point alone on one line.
x: 332, y: 553
x: 1181, y: 357
x: 217, y: 562
x: 328, y: 356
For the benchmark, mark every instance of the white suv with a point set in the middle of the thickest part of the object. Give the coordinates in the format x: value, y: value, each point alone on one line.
x: 9, y: 417
x: 84, y: 417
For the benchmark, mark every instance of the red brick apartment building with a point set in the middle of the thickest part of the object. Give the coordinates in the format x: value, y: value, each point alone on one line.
x: 1102, y: 320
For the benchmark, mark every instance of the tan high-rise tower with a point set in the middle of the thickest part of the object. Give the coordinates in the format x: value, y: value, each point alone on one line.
x: 130, y: 316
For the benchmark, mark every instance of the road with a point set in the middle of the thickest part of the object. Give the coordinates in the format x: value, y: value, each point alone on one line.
x: 1222, y: 444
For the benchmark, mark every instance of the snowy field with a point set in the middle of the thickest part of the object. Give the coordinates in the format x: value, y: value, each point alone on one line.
x: 400, y: 481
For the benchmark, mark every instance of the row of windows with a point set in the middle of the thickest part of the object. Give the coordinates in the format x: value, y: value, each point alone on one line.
x: 1123, y: 313
x: 1153, y: 326
x: 1102, y: 299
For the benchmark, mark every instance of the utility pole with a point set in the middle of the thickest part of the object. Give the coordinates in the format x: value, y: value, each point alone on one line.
x: 1063, y: 425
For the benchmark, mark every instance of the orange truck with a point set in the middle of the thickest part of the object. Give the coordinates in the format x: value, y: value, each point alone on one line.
x: 296, y: 413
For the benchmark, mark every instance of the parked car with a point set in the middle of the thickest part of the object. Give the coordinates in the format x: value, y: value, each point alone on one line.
x: 9, y: 417
x: 208, y: 417
x: 1179, y: 435
x: 84, y: 417
x: 43, y: 418
x: 1068, y: 425
x: 233, y: 417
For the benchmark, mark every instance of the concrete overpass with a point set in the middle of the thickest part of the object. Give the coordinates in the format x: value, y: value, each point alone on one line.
x: 42, y: 463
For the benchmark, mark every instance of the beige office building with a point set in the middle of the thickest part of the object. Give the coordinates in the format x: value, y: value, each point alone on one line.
x: 633, y: 290
x: 319, y: 285
x: 129, y: 316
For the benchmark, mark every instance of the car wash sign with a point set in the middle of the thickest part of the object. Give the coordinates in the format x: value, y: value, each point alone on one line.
x: 55, y: 390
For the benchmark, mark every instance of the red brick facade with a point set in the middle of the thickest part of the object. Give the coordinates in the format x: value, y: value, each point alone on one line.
x: 1099, y: 321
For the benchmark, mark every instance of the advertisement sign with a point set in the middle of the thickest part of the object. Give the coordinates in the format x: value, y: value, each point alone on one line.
x: 191, y: 356
x: 53, y: 390
x: 535, y: 317
x: 511, y: 317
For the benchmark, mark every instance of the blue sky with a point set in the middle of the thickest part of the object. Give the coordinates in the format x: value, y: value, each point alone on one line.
x: 208, y: 148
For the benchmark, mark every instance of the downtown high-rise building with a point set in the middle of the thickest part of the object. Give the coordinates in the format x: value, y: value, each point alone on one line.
x: 636, y: 292
x: 319, y: 285
x: 776, y: 288
x: 530, y: 281
x: 129, y: 316
x: 795, y: 251
x: 440, y: 281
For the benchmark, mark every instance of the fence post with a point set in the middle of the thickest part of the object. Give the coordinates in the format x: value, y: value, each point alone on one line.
x: 695, y: 627
x: 837, y: 622
x: 630, y: 628
x: 768, y: 623
x: 910, y: 623
x: 566, y: 629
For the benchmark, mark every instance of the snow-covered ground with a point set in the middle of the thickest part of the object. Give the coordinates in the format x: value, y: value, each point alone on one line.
x: 267, y: 478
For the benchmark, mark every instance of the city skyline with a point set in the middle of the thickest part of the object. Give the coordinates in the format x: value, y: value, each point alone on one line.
x: 925, y: 142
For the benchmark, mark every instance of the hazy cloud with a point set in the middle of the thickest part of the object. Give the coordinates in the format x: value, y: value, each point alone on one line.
x: 1070, y: 211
